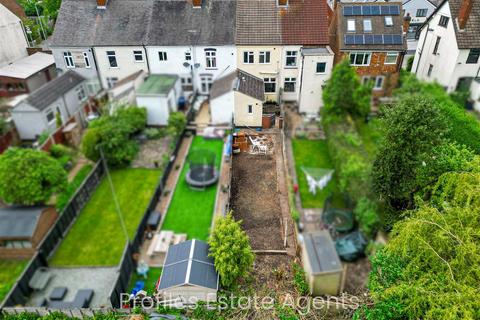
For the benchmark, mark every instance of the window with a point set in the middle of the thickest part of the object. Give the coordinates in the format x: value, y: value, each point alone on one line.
x: 188, y: 56
x: 270, y: 85
x: 264, y: 57
x: 321, y: 67
x: 378, y: 83
x: 81, y: 93
x: 367, y: 25
x: 250, y: 109
x: 366, y: 79
x: 186, y: 83
x: 391, y: 58
x: 430, y: 69
x: 473, y: 55
x: 50, y: 116
x: 206, y: 81
x: 68, y: 59
x: 138, y: 56
x: 248, y: 57
x: 443, y: 21
x: 289, y: 84
x: 86, y: 59
x: 437, y: 43
x: 360, y: 58
x: 422, y: 13
x: 162, y: 56
x: 351, y: 25
x: 388, y: 21
x: 111, y: 82
x: 211, y: 58
x: 112, y: 59
x: 291, y: 59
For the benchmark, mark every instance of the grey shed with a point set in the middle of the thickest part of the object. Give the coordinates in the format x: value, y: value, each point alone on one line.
x: 189, y: 273
x: 321, y: 263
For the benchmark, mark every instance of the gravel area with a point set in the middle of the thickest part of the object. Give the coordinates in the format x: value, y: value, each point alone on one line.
x: 152, y: 152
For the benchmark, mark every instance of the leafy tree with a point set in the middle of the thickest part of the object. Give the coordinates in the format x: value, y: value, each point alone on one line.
x: 176, y: 123
x: 344, y: 93
x: 412, y: 129
x: 230, y: 249
x: 29, y: 176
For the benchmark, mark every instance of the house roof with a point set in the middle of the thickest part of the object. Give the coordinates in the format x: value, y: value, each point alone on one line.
x: 51, y: 91
x: 240, y: 81
x: 177, y: 22
x: 80, y: 23
x: 19, y: 222
x: 128, y: 79
x: 28, y: 66
x: 157, y: 84
x: 321, y: 252
x: 302, y: 22
x: 382, y: 37
x: 14, y: 7
x: 470, y: 36
x: 188, y: 263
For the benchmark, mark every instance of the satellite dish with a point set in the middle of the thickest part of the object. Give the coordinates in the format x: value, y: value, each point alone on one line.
x: 197, y: 65
x: 186, y: 64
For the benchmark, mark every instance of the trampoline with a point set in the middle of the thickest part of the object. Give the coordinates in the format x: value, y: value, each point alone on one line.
x: 202, y: 172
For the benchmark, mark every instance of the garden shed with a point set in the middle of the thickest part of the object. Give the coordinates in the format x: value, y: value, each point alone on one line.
x: 321, y: 263
x: 22, y: 229
x: 160, y: 94
x: 189, y: 273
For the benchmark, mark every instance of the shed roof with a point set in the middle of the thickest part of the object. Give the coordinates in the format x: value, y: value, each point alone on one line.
x: 157, y: 84
x: 51, y: 91
x: 19, y: 221
x: 188, y: 263
x: 240, y: 81
x: 321, y: 252
x: 28, y: 66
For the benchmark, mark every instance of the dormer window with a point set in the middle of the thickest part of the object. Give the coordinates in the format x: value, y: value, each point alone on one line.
x: 351, y: 25
x: 388, y: 21
x: 367, y: 25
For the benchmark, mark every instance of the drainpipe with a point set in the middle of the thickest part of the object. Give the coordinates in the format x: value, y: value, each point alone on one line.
x: 301, y: 80
x: 146, y: 58
x: 423, y: 46
x: 97, y: 68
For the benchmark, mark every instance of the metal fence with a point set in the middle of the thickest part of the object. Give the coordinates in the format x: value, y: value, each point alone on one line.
x: 126, y: 268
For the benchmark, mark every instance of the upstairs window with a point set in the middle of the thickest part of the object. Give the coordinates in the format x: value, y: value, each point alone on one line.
x: 391, y: 58
x: 388, y: 21
x: 421, y: 13
x: 138, y: 56
x: 248, y: 57
x: 162, y: 56
x: 437, y: 44
x: 443, y: 21
x: 351, y: 25
x: 360, y: 58
x: 67, y: 56
x: 270, y: 85
x: 188, y: 56
x: 291, y: 59
x: 86, y: 59
x: 473, y: 56
x: 367, y: 25
x: 112, y: 59
x: 321, y: 67
x: 264, y: 57
x: 211, y: 58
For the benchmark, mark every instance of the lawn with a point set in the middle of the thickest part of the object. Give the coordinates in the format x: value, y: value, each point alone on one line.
x: 10, y: 270
x: 314, y: 154
x: 64, y: 197
x: 152, y: 278
x: 370, y: 134
x: 191, y: 211
x: 96, y: 238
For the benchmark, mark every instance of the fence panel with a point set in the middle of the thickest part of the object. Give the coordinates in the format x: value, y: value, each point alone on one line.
x: 125, y: 270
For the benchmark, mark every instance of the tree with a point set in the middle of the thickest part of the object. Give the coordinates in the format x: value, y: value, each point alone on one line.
x: 29, y: 176
x: 177, y: 122
x: 412, y: 128
x: 230, y: 249
x: 344, y: 93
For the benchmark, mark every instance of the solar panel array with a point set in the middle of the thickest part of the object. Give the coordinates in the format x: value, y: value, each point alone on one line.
x: 362, y: 39
x: 371, y: 10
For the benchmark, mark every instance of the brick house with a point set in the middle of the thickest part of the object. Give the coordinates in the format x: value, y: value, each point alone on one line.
x: 22, y: 229
x: 371, y: 35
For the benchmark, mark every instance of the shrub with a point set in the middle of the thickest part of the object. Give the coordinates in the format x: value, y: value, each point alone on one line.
x: 42, y: 138
x: 176, y: 123
x: 155, y: 133
x: 299, y: 280
x: 366, y: 213
x: 59, y: 150
x: 3, y: 126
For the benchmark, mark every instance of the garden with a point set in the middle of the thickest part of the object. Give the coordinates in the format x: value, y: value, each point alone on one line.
x: 191, y: 210
x: 10, y: 270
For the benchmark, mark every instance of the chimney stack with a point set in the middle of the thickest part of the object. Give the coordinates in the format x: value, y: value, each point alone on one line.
x: 464, y: 13
x: 197, y: 3
x: 282, y: 3
x: 102, y: 4
x: 406, y: 23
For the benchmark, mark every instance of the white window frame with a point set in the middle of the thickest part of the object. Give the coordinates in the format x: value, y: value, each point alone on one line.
x: 291, y: 54
x: 210, y: 59
x: 391, y: 54
x: 250, y: 109
x: 248, y: 57
x: 87, y: 60
x: 68, y: 58
x: 81, y: 94
x: 367, y: 25
x: 206, y: 81
x: 351, y: 25
x: 290, y: 80
x: 364, y: 63
x: 188, y: 56
x: 112, y: 54
x: 421, y: 10
x: 136, y: 54
x: 388, y: 21
x: 111, y: 82
x: 54, y: 118
x: 265, y: 56
x: 316, y: 68
x: 162, y: 56
x: 270, y: 81
x: 382, y: 82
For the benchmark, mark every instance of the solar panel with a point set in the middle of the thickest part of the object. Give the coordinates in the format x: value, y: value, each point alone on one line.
x: 368, y: 39
x: 387, y: 39
x: 375, y: 10
x: 384, y: 10
x: 347, y: 11
x: 394, y: 10
x: 366, y: 10
x: 359, y: 39
x: 357, y: 10
x: 349, y: 39
x: 397, y: 39
x: 377, y: 39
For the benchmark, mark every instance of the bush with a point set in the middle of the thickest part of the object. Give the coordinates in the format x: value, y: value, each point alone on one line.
x: 42, y: 138
x: 366, y: 213
x: 155, y: 133
x: 59, y: 150
x: 176, y: 123
x: 299, y: 280
x: 3, y: 126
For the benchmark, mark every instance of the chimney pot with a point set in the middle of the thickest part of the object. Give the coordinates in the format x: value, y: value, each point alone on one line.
x: 282, y: 3
x: 406, y: 22
x: 197, y: 3
x: 464, y: 13
x: 102, y: 4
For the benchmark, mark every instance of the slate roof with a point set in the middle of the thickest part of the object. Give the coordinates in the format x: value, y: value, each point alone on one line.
x: 19, y: 222
x: 157, y: 84
x: 28, y: 66
x: 240, y: 81
x: 469, y: 37
x: 51, y: 91
x: 188, y: 263
x: 321, y: 252
x: 262, y: 22
x: 378, y: 27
